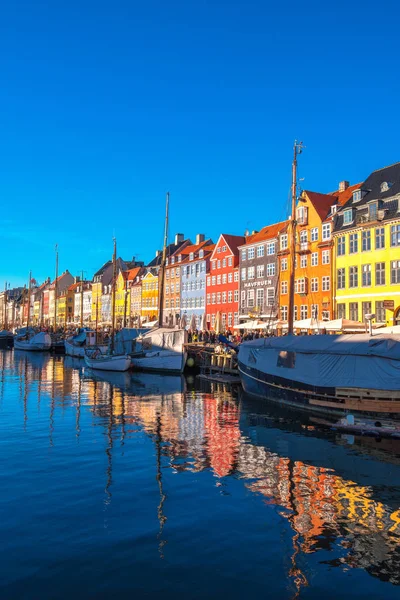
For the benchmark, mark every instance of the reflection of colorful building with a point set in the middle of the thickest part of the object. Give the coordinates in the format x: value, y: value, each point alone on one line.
x: 221, y: 423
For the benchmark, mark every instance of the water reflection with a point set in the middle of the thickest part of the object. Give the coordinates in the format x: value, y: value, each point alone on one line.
x: 339, y: 500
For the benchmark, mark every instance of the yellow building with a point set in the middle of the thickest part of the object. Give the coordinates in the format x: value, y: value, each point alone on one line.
x: 97, y: 288
x: 150, y: 296
x: 367, y: 250
x: 122, y: 303
x: 62, y: 308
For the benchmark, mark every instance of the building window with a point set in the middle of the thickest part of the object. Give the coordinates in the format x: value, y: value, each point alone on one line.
x: 260, y: 251
x: 260, y: 271
x: 379, y: 238
x: 373, y: 211
x: 366, y: 275
x: 224, y: 263
x: 213, y: 280
x: 219, y: 298
x: 230, y: 297
x: 230, y: 277
x: 366, y: 309
x: 341, y: 279
x: 236, y: 296
x: 283, y: 241
x: 236, y: 276
x: 284, y: 287
x: 357, y: 196
x: 348, y: 216
x: 243, y: 300
x: 326, y: 231
x: 326, y: 257
x: 212, y: 320
x: 303, y: 311
x: 341, y: 246
x: 353, y: 277
x: 270, y: 297
x: 218, y: 264
x: 326, y: 284
x: 244, y: 254
x: 300, y: 286
x: 284, y: 264
x: 314, y: 234
x: 380, y: 312
x: 250, y: 253
x: 295, y: 313
x: 366, y: 240
x: 395, y: 271
x: 353, y: 243
x: 341, y: 311
x: 250, y: 298
x: 395, y: 235
x: 244, y: 271
x: 251, y: 271
x: 223, y: 297
x: 353, y: 308
x: 230, y: 261
x: 236, y: 318
x: 213, y: 298
x: 270, y: 269
x: 314, y: 259
x: 224, y: 248
x: 260, y: 298
x: 191, y: 256
x: 224, y: 278
x: 303, y: 261
x: 314, y: 284
x: 303, y: 236
x: 270, y: 248
x: 314, y: 311
x: 208, y: 298
x: 229, y: 319
x: 284, y: 313
x: 380, y: 274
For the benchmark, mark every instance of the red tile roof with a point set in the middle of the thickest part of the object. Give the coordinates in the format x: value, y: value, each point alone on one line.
x: 321, y: 202
x: 267, y: 233
x: 131, y: 274
x: 343, y: 197
x: 234, y: 241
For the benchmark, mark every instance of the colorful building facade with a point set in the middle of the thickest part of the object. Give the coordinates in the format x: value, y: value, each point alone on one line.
x: 150, y: 296
x: 195, y: 264
x: 367, y: 250
x: 222, y: 289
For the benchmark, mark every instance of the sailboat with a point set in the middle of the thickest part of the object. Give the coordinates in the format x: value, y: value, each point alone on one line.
x: 338, y: 374
x: 28, y: 338
x: 161, y: 349
x: 95, y: 357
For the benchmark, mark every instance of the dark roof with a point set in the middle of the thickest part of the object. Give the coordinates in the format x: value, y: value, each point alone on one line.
x: 382, y: 185
x: 171, y: 249
x: 102, y: 269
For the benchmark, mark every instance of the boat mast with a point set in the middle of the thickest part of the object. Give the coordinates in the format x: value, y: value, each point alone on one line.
x: 114, y: 277
x: 297, y: 149
x: 81, y: 298
x: 55, y: 291
x: 5, y: 306
x: 29, y: 299
x: 163, y: 263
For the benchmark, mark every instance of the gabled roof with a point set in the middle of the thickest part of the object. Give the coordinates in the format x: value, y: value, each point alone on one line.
x: 102, y: 269
x: 343, y: 197
x: 131, y: 274
x: 269, y: 232
x: 207, y: 246
x: 321, y: 202
x: 232, y: 241
x: 171, y: 249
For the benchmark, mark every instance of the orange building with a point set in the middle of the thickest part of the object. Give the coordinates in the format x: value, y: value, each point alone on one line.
x: 150, y: 296
x: 313, y: 267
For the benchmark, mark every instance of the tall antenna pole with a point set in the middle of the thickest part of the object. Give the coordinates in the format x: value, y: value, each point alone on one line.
x: 55, y: 290
x: 114, y: 277
x: 163, y: 263
x: 5, y: 306
x: 297, y: 149
x: 81, y: 298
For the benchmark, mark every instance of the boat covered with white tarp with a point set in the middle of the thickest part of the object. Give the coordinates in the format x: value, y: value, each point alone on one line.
x: 161, y: 350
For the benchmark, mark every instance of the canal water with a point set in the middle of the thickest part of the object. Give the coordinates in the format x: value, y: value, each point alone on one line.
x: 141, y: 486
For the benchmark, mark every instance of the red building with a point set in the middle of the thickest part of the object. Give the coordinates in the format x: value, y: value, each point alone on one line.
x: 222, y: 290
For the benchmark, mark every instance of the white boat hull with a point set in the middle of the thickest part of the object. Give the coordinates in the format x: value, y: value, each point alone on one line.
x: 40, y: 342
x: 109, y: 363
x: 163, y: 361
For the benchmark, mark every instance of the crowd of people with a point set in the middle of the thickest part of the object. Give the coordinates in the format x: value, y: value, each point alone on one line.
x: 210, y: 337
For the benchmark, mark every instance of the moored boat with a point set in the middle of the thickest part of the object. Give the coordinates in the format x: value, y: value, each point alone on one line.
x: 95, y: 359
x: 6, y: 339
x: 32, y: 341
x: 161, y: 350
x: 76, y: 345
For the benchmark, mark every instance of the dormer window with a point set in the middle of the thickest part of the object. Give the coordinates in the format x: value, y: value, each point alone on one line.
x: 301, y: 215
x: 385, y: 186
x: 334, y: 209
x: 191, y: 256
x: 373, y: 211
x: 347, y: 216
x: 356, y: 195
x: 180, y: 258
x: 172, y: 260
x: 201, y: 253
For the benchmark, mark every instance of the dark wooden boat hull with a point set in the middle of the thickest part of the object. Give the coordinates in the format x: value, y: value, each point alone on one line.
x: 374, y: 404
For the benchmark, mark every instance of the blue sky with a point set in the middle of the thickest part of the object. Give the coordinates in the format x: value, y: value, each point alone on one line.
x: 107, y: 105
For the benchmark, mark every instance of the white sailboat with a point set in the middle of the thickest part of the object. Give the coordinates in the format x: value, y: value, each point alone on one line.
x: 28, y: 338
x: 96, y: 358
x: 161, y: 350
x: 76, y: 345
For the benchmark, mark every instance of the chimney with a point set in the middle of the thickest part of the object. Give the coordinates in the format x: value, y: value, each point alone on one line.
x: 246, y: 233
x: 343, y: 185
x: 200, y: 237
x: 158, y: 252
x: 179, y: 238
x: 254, y: 232
x: 77, y: 279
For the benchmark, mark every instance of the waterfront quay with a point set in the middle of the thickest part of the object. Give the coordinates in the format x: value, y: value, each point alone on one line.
x: 121, y: 485
x: 346, y: 266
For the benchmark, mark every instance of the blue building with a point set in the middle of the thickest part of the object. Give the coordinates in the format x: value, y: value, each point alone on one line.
x: 195, y: 264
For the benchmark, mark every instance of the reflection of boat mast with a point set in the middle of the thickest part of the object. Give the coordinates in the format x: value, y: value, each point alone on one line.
x: 295, y: 573
x: 78, y: 407
x: 51, y: 418
x: 109, y: 448
x: 160, y: 509
x: 25, y: 392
